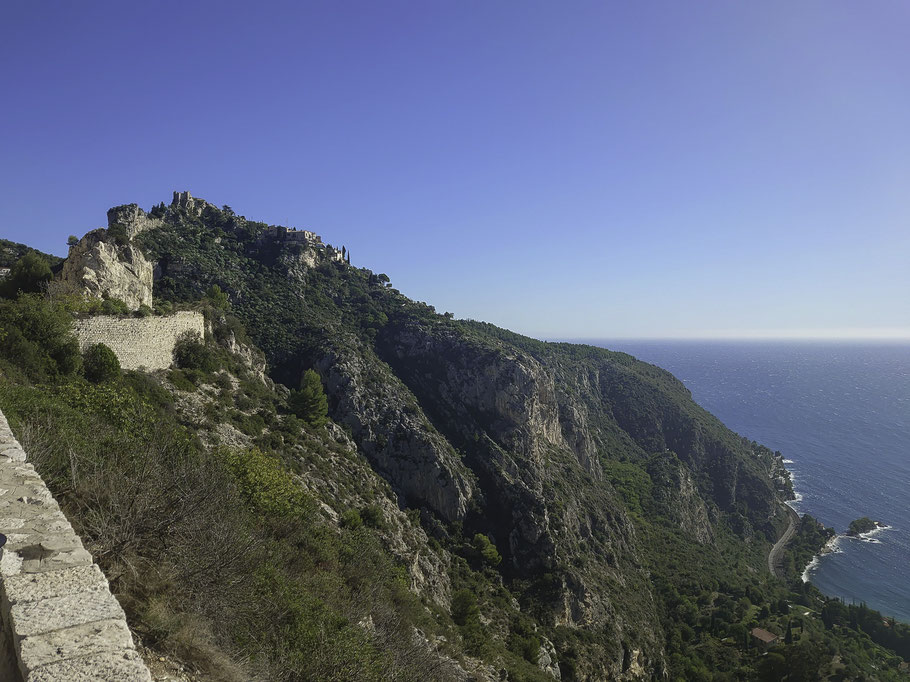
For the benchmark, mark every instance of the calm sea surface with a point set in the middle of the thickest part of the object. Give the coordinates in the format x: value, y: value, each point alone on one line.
x: 840, y: 414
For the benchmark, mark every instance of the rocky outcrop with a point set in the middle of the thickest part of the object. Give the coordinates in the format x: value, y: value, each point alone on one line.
x: 401, y: 534
x: 251, y: 357
x: 546, y: 659
x: 100, y: 268
x: 676, y: 497
x: 132, y: 219
x: 393, y: 432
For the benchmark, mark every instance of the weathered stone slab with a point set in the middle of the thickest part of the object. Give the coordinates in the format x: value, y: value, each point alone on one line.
x: 59, y: 541
x: 57, y: 561
x: 27, y: 587
x: 56, y: 613
x: 109, y: 667
x: 104, y: 636
x: 10, y: 564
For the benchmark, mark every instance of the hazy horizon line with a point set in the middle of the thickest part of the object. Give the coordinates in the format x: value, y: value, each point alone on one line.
x: 808, y: 339
x: 833, y: 336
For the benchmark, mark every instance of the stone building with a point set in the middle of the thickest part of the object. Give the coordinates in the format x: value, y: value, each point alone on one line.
x: 764, y: 639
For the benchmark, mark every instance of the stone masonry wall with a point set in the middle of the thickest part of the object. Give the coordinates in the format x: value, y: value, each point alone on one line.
x: 139, y: 341
x: 59, y: 621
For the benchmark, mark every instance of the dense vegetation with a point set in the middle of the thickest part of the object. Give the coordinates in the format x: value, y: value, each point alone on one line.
x: 262, y: 541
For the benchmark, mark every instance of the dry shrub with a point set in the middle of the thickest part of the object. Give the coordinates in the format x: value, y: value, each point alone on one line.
x: 165, y: 523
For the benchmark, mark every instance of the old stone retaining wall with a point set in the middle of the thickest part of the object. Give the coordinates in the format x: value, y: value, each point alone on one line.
x: 139, y: 341
x: 58, y: 619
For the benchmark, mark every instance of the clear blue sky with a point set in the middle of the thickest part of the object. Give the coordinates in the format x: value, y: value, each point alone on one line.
x: 582, y: 169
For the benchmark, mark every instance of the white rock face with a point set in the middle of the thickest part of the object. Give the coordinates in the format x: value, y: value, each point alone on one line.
x: 98, y: 268
x: 546, y: 659
x: 133, y: 219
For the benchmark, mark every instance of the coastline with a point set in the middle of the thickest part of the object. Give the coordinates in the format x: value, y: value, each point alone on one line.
x: 833, y: 546
x: 826, y: 412
x: 830, y: 547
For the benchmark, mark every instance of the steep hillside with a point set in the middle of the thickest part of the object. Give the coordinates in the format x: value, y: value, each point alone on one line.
x: 559, y: 511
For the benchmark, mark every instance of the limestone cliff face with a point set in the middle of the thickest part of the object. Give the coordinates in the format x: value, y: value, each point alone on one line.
x: 531, y: 449
x: 676, y: 496
x: 100, y: 268
x: 394, y: 433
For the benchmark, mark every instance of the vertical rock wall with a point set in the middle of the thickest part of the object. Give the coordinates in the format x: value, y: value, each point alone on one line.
x: 59, y: 621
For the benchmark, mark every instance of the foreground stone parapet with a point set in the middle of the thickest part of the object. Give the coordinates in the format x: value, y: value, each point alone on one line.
x: 59, y: 621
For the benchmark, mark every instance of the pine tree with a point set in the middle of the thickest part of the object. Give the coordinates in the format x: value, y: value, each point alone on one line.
x: 310, y: 403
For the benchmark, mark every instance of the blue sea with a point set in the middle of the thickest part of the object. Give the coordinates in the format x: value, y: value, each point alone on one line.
x: 840, y: 415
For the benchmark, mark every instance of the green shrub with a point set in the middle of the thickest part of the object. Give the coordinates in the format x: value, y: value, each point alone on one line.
x: 265, y: 483
x: 372, y: 516
x: 523, y: 640
x: 118, y: 234
x: 149, y: 388
x: 196, y: 376
x: 180, y: 381
x: 464, y: 607
x: 100, y: 363
x: 486, y: 549
x: 114, y: 306
x: 143, y: 311
x: 350, y: 518
x: 217, y: 298
x: 191, y: 353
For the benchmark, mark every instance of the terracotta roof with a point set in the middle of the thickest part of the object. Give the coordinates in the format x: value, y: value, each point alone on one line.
x: 763, y: 635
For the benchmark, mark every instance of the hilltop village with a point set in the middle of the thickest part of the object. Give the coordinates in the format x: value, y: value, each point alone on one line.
x: 108, y: 265
x: 133, y: 220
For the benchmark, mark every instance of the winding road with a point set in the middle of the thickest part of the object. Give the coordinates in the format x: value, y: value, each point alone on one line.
x: 776, y: 553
